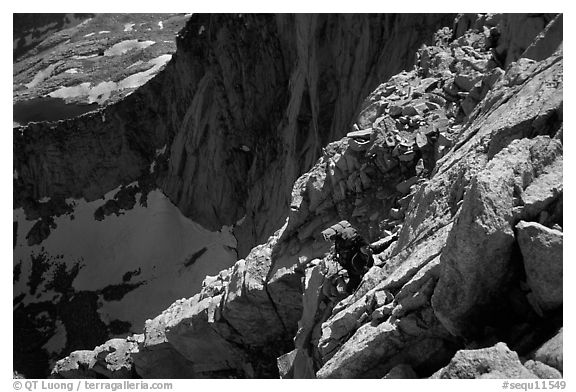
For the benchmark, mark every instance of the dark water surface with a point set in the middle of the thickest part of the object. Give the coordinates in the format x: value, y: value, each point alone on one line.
x: 48, y: 109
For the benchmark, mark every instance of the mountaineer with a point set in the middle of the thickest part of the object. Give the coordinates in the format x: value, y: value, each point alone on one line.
x: 352, y: 252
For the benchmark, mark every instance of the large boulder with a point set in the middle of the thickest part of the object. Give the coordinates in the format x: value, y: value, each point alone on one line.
x: 551, y: 352
x: 542, y: 253
x: 492, y: 362
x: 542, y: 370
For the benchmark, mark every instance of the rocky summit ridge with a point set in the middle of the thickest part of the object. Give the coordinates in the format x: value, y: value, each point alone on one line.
x: 453, y: 167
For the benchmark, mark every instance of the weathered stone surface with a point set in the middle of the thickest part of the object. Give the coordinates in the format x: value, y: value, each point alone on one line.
x: 476, y: 260
x: 286, y: 364
x: 344, y: 323
x: 493, y: 362
x: 189, y: 337
x: 546, y: 189
x: 542, y: 370
x: 542, y: 253
x: 551, y: 352
x: 373, y: 349
x: 467, y: 81
x: 505, y: 114
x: 400, y: 372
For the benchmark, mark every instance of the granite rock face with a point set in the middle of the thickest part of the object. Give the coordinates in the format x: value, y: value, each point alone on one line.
x: 440, y: 166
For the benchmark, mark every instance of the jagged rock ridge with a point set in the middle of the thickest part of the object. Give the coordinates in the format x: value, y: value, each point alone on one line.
x: 457, y: 165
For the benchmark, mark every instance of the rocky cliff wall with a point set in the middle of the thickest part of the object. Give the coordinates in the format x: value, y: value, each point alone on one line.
x: 454, y: 169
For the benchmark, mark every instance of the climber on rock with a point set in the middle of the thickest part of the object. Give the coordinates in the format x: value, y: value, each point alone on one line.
x: 352, y: 252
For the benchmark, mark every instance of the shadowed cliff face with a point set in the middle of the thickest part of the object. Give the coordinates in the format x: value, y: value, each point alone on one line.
x: 244, y: 108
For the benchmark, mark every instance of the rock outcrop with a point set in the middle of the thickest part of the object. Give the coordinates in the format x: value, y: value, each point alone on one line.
x: 492, y: 362
x: 452, y: 169
x: 551, y: 352
x: 542, y: 254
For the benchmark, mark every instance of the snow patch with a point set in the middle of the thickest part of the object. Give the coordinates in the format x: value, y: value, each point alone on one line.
x: 201, y: 30
x: 72, y: 91
x: 72, y: 71
x: 161, y: 25
x: 102, y: 92
x: 45, y: 199
x: 129, y: 26
x: 135, y: 64
x: 158, y: 240
x: 241, y: 220
x: 104, y: 32
x: 41, y: 76
x: 138, y: 79
x: 127, y: 45
x: 89, y: 35
x: 82, y: 57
